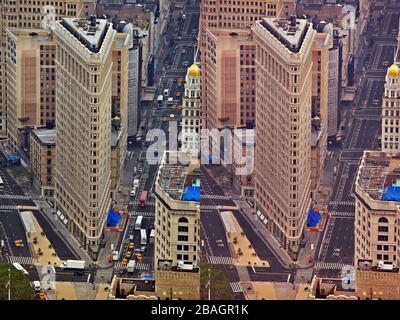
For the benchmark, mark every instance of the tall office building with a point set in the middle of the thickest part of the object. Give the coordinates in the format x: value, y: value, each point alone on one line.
x: 84, y: 97
x: 177, y: 229
x: 191, y: 113
x: 377, y: 213
x: 283, y: 135
x: 227, y: 58
x: 391, y: 111
x: 22, y: 42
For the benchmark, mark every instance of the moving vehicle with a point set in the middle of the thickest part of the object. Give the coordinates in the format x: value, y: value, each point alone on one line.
x: 20, y: 268
x: 124, y: 262
x: 131, y: 266
x: 73, y: 264
x: 36, y: 286
x: 180, y: 82
x: 139, y: 257
x: 143, y: 199
x: 1, y: 184
x: 143, y: 249
x: 18, y: 243
x: 166, y: 91
x: 143, y: 237
x: 138, y: 223
x: 152, y: 236
x: 170, y: 100
x: 133, y: 192
x: 115, y: 256
x: 160, y: 99
x: 136, y: 183
x: 131, y: 246
x: 42, y: 296
x: 128, y: 255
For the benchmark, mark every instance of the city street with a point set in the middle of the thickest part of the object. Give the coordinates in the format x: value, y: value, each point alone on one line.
x: 363, y: 127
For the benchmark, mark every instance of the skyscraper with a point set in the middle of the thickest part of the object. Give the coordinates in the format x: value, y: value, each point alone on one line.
x: 84, y: 93
x: 191, y: 113
x: 21, y: 37
x: 283, y: 121
x: 391, y: 111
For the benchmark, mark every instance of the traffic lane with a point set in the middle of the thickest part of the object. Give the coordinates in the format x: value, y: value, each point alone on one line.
x: 349, y: 183
x: 342, y: 240
x: 263, y: 252
x: 328, y: 273
x: 59, y: 245
x: 10, y: 182
x: 269, y: 277
x: 215, y: 233
x: 368, y: 131
x: 74, y: 275
x: 14, y: 229
x: 214, y: 202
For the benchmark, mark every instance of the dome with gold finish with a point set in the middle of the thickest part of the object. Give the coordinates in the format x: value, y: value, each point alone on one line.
x: 194, y: 70
x: 394, y: 70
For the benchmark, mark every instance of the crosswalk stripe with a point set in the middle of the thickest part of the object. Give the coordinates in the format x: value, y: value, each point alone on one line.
x: 13, y: 196
x: 236, y: 287
x: 137, y: 202
x: 215, y: 196
x: 21, y: 260
x: 341, y: 203
x: 341, y: 214
x: 219, y: 260
x: 139, y: 266
x: 8, y: 207
x: 209, y: 207
x: 330, y: 265
x: 144, y: 214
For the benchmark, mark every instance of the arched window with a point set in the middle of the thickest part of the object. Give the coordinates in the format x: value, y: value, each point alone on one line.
x: 383, y: 220
x: 183, y: 220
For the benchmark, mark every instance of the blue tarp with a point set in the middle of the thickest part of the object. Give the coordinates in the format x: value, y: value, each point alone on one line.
x: 191, y: 194
x: 313, y: 218
x: 12, y: 157
x: 113, y: 218
x: 391, y: 194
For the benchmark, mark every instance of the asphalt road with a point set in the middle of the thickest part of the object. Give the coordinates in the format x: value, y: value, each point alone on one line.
x: 337, y: 246
x: 170, y: 66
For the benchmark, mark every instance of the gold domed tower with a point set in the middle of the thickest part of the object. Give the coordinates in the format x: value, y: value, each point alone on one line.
x: 394, y: 70
x: 194, y: 70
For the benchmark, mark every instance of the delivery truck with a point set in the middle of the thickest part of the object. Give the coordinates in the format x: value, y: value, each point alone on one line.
x: 73, y: 264
x: 131, y: 266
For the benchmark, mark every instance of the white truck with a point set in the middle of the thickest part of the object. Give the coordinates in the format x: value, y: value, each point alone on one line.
x: 131, y: 266
x: 135, y: 183
x: 73, y: 264
x: 36, y: 286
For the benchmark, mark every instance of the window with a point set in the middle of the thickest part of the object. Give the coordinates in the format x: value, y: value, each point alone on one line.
x: 382, y: 238
x: 383, y: 220
x: 183, y: 220
x: 183, y: 229
x: 383, y: 228
x: 183, y: 238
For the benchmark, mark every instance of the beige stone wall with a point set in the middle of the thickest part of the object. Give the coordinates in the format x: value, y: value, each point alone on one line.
x: 377, y: 285
x: 283, y: 135
x: 177, y: 285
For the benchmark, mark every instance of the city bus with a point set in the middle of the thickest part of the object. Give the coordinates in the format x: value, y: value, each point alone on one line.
x: 1, y: 184
x: 19, y: 267
x: 138, y: 223
x: 143, y: 237
x: 143, y: 199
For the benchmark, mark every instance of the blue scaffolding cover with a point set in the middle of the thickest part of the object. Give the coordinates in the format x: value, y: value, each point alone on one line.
x: 113, y: 218
x: 391, y: 194
x: 191, y: 194
x: 12, y: 157
x: 313, y: 218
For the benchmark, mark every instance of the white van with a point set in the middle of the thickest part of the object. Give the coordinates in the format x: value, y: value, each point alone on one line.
x: 36, y: 286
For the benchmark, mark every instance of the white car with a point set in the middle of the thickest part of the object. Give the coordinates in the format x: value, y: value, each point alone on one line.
x: 133, y: 192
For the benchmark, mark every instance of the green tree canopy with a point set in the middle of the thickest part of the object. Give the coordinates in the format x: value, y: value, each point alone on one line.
x: 220, y: 287
x: 21, y: 288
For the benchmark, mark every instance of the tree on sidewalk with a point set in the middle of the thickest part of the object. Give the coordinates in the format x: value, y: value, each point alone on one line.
x: 21, y: 288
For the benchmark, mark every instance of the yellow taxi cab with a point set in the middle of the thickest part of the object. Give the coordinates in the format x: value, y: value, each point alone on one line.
x: 124, y: 262
x: 42, y: 296
x: 18, y: 243
x: 131, y: 245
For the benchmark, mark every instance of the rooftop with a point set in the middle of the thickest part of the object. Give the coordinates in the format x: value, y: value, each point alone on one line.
x: 45, y: 136
x: 90, y: 32
x: 378, y: 171
x: 290, y: 32
x: 174, y: 177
